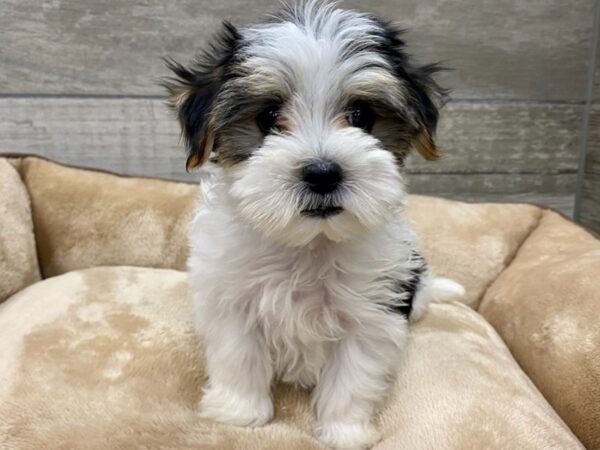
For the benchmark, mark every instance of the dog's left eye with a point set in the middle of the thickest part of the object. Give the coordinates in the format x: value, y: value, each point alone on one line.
x: 361, y: 115
x: 267, y: 119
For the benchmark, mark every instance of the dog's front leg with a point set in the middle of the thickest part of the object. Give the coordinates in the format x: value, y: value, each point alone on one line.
x: 239, y: 372
x: 353, y: 384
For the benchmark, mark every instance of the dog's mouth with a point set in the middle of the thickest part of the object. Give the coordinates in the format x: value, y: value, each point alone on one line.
x: 322, y: 212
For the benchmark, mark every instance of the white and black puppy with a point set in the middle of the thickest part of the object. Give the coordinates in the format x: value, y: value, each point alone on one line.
x: 302, y: 265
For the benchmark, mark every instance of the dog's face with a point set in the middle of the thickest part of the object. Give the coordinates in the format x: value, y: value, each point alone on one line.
x: 310, y: 116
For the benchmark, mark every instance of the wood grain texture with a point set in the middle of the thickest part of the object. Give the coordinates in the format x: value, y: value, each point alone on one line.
x: 590, y: 202
x: 500, y: 49
x: 593, y: 153
x: 506, y: 138
x: 550, y: 190
x: 596, y: 86
x: 497, y: 152
x: 553, y: 191
x: 564, y: 203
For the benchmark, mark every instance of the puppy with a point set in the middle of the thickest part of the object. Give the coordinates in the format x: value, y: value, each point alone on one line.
x: 303, y: 267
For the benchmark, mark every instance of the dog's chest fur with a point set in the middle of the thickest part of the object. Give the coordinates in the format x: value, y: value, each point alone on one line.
x: 300, y: 300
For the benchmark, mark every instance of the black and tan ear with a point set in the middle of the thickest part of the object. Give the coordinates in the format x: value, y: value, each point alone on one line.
x: 194, y: 89
x: 425, y: 97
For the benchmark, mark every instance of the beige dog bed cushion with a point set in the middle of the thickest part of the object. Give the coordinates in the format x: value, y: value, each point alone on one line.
x: 101, y: 353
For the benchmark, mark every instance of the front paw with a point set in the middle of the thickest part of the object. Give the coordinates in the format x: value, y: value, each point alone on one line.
x: 230, y: 407
x: 346, y: 436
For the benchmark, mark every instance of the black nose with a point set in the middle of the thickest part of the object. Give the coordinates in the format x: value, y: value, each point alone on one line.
x: 322, y: 177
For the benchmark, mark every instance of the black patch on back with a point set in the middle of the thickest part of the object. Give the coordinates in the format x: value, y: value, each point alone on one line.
x: 408, y: 287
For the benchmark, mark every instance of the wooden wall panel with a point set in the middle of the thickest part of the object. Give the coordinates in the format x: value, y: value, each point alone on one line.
x: 500, y: 49
x: 487, y: 153
x: 79, y: 82
x: 590, y: 201
x: 506, y: 138
x: 589, y: 186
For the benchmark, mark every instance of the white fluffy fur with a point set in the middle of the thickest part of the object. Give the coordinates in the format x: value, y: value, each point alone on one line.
x: 312, y: 314
x: 279, y: 294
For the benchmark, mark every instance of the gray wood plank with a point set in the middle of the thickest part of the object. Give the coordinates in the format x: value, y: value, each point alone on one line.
x: 563, y: 203
x: 596, y: 84
x: 551, y: 190
x: 590, y: 202
x: 593, y: 150
x: 502, y: 49
x: 492, y: 185
x: 494, y: 152
x: 506, y: 138
x: 141, y: 136
x: 127, y: 136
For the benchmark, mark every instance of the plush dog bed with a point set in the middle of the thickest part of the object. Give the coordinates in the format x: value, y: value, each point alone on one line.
x: 97, y: 348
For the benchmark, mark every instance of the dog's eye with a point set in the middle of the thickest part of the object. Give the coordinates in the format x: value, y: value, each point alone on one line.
x: 267, y: 119
x: 361, y: 115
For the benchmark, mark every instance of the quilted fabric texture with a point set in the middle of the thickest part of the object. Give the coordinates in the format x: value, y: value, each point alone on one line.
x: 116, y: 220
x: 546, y: 306
x: 106, y: 357
x: 18, y: 258
x: 86, y: 219
x: 471, y: 243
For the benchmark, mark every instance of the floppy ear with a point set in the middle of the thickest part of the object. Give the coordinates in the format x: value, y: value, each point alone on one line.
x: 425, y: 99
x: 193, y: 90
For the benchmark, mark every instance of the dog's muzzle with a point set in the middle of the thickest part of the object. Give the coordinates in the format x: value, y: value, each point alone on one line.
x: 322, y: 178
x: 323, y: 211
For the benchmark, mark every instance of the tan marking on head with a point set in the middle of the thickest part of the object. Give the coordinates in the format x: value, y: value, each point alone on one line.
x: 178, y: 97
x: 341, y: 122
x: 205, y: 147
x: 196, y: 159
x: 376, y: 84
x: 423, y: 143
x: 284, y: 123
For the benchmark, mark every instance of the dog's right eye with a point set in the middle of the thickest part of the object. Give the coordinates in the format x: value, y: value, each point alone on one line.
x: 361, y: 115
x: 267, y: 119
